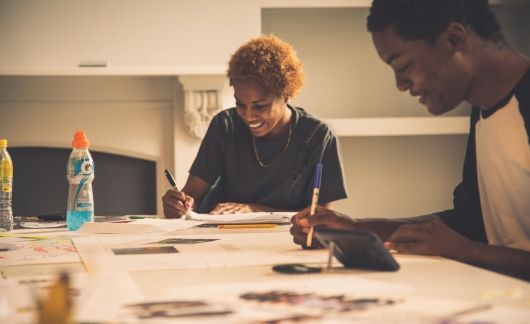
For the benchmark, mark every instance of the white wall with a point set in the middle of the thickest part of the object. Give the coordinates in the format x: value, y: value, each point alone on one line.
x: 56, y: 33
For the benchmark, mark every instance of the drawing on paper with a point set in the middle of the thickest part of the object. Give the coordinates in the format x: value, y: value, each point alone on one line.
x: 175, y: 309
x: 324, y: 303
x: 23, y: 251
x: 145, y: 250
x: 183, y: 241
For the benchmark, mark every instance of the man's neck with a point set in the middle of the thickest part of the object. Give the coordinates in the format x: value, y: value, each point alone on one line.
x: 497, y: 71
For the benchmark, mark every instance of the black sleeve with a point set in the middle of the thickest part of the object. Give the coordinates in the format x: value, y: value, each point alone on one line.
x: 466, y: 215
x: 208, y: 164
x: 333, y: 186
x: 522, y: 92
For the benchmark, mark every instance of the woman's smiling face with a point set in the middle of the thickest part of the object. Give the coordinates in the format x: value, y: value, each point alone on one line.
x: 263, y: 112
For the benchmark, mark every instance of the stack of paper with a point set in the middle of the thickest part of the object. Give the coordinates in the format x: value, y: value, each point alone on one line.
x: 243, y: 218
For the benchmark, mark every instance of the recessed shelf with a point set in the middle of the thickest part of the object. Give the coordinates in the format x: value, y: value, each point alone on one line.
x: 399, y: 126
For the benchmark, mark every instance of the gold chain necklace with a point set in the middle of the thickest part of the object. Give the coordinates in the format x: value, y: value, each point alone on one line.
x: 263, y: 165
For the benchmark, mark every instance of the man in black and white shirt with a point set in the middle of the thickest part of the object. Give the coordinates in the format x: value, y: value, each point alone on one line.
x: 445, y: 52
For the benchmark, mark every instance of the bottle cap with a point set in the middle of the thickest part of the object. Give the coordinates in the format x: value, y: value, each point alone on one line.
x: 80, y: 139
x: 3, y: 143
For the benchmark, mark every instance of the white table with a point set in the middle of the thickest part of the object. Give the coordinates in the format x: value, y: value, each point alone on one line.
x: 429, y: 278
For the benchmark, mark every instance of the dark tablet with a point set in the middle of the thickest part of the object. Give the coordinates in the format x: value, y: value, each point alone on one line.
x: 358, y: 249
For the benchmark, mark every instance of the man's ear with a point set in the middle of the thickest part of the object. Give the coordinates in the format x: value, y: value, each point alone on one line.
x: 455, y: 35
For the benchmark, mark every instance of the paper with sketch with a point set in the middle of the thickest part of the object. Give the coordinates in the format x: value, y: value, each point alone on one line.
x: 22, y: 251
x: 313, y: 298
x: 98, y: 255
x: 147, y: 225
x: 216, y: 251
x: 328, y: 298
x: 243, y: 218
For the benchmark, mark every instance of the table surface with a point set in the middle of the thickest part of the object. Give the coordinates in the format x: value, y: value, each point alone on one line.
x: 429, y: 277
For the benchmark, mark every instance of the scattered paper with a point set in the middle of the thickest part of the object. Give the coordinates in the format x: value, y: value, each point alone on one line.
x: 243, y: 218
x: 147, y: 225
x: 105, y: 295
x: 314, y: 298
x: 336, y: 299
x: 214, y: 251
x: 22, y: 251
x: 39, y: 225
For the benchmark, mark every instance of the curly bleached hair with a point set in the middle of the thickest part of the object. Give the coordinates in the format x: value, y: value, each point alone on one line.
x: 269, y: 62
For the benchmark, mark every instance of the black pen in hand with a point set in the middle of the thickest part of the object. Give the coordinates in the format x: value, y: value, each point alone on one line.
x: 173, y: 184
x: 171, y: 180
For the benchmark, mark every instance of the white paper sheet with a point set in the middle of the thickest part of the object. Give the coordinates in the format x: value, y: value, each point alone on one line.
x: 497, y: 314
x: 244, y: 218
x: 147, y: 225
x: 325, y: 298
x: 21, y: 251
x: 313, y: 298
x: 104, y: 297
x: 95, y: 298
x: 229, y: 250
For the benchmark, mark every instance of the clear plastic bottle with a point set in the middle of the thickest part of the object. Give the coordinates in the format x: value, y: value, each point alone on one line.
x: 6, y: 190
x: 80, y: 173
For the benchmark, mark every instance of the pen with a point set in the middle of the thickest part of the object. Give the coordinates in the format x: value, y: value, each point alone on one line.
x: 171, y: 180
x: 173, y: 184
x: 314, y: 200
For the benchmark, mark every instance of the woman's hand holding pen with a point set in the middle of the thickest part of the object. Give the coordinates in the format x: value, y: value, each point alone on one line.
x: 176, y: 203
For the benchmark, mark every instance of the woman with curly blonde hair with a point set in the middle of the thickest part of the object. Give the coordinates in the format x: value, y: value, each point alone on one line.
x: 261, y: 155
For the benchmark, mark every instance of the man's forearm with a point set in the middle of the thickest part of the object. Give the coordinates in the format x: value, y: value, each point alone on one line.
x: 503, y: 259
x: 384, y: 227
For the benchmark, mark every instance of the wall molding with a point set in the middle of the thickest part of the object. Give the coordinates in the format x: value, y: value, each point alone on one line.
x: 203, y: 99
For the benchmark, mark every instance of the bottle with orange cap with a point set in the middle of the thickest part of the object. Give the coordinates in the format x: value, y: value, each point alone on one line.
x: 6, y: 188
x: 80, y: 173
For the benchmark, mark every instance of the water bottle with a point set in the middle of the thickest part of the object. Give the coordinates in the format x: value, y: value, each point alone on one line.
x: 6, y: 191
x: 80, y: 173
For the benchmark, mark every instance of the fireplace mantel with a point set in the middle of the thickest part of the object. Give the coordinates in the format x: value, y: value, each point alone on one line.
x: 114, y: 70
x: 132, y: 115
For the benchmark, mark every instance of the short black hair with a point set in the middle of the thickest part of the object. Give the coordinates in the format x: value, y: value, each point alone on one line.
x: 426, y: 19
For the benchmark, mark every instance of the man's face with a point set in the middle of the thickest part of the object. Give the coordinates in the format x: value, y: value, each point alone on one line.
x: 438, y: 75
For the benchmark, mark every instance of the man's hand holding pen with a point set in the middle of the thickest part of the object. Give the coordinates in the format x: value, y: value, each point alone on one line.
x: 175, y: 202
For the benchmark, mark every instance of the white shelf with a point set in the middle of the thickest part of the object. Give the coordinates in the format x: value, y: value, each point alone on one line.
x: 399, y: 126
x: 344, y: 3
x: 315, y: 3
x: 113, y: 71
